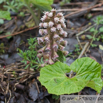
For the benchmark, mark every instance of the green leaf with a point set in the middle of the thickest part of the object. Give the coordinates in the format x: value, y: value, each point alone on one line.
x: 93, y: 45
x: 1, y: 21
x: 89, y: 36
x: 1, y: 1
x: 92, y: 29
x: 101, y: 29
x: 101, y: 47
x: 43, y: 4
x: 27, y: 66
x: 61, y: 57
x: 88, y: 73
x: 8, y: 33
x: 5, y: 15
x: 89, y: 70
x: 22, y: 14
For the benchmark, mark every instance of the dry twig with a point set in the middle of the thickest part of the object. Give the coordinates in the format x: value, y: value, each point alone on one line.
x: 82, y: 11
x: 19, y: 32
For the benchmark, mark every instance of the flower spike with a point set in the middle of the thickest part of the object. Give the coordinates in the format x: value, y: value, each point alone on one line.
x: 52, y: 41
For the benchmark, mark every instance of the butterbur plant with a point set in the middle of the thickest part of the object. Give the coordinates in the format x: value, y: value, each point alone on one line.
x: 51, y: 29
x: 56, y: 75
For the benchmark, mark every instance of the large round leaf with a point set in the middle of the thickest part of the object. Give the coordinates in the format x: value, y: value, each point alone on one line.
x: 88, y: 73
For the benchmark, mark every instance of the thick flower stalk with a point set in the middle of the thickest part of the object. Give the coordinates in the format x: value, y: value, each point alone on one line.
x: 52, y: 33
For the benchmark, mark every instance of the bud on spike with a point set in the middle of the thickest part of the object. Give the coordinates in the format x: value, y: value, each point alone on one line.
x: 51, y: 24
x: 65, y: 53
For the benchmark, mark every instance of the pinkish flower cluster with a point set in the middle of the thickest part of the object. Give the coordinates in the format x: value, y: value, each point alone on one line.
x: 52, y: 30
